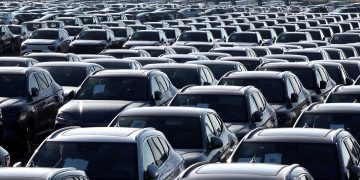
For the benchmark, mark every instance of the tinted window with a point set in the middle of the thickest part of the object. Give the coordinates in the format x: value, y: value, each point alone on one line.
x: 145, y: 36
x: 148, y: 157
x: 231, y: 108
x: 44, y: 35
x: 306, y: 76
x: 12, y: 64
x: 114, y: 88
x: 320, y: 159
x: 250, y: 38
x: 120, y: 158
x: 119, y: 32
x: 15, y: 30
x: 41, y: 79
x: 181, y: 77
x: 338, y: 98
x: 293, y: 37
x: 295, y: 85
x: 73, y: 31
x: 219, y: 70
x: 182, y: 133
x: 193, y: 36
x: 157, y: 150
x: 67, y: 76
x: 92, y: 35
x: 13, y: 85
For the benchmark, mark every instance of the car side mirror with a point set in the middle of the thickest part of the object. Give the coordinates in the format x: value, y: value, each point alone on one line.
x: 152, y: 171
x: 215, y: 142
x: 294, y: 97
x: 109, y: 40
x: 4, y: 158
x: 23, y: 34
x: 349, y: 81
x: 157, y: 95
x: 34, y: 92
x: 355, y: 170
x: 70, y: 95
x: 257, y: 116
x: 323, y: 84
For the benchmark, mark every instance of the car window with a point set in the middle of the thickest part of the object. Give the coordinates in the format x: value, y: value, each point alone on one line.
x: 41, y: 81
x: 162, y: 84
x: 157, y: 150
x: 258, y: 101
x: 154, y: 85
x: 209, y: 128
x: 345, y: 155
x: 164, y: 145
x: 253, y: 106
x: 208, y: 74
x: 289, y: 88
x: 33, y: 82
x: 48, y: 79
x: 323, y: 74
x: 148, y: 157
x: 215, y: 122
x: 352, y: 150
x: 295, y: 85
x: 203, y: 76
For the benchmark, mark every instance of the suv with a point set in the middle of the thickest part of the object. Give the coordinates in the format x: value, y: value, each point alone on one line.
x: 197, y: 134
x: 288, y: 99
x: 105, y: 93
x: 327, y: 154
x: 242, y: 108
x: 244, y: 171
x: 344, y: 94
x: 30, y: 100
x: 110, y: 153
x: 42, y: 173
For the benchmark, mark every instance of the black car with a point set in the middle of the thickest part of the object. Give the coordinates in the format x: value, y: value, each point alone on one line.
x: 327, y: 154
x: 352, y: 67
x: 314, y: 77
x: 122, y: 34
x: 311, y: 53
x: 30, y: 100
x: 288, y: 99
x: 107, y: 92
x: 93, y: 41
x: 344, y: 94
x: 8, y: 41
x: 220, y: 68
x: 241, y: 108
x: 182, y: 75
x: 337, y: 72
x: 251, y: 63
x: 197, y: 134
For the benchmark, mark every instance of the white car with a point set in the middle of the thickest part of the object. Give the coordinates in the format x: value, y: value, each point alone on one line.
x: 46, y: 40
x: 8, y: 18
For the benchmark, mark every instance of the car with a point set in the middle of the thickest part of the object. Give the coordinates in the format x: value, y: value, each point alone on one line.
x: 345, y: 38
x: 46, y: 40
x: 288, y: 37
x: 122, y: 34
x: 155, y: 51
x: 111, y: 63
x: 297, y: 145
x: 194, y: 36
x: 268, y: 35
x: 129, y: 153
x: 70, y: 21
x: 8, y: 18
x: 182, y: 75
x: 288, y: 57
x: 53, y: 57
x: 124, y: 53
x: 8, y: 40
x: 313, y: 77
x: 351, y: 67
x: 41, y: 173
x: 31, y: 100
x: 337, y: 72
x: 242, y: 108
x: 219, y: 34
x: 74, y: 31
x: 69, y: 75
x: 235, y: 51
x: 171, y: 33
x: 251, y: 63
x: 244, y: 171
x: 55, y: 24
x: 288, y: 99
x: 190, y: 12
x: 311, y: 53
x: 105, y: 93
x: 197, y: 134
x: 93, y: 41
x: 150, y: 60
x: 34, y: 25
x: 17, y: 62
x: 19, y: 30
x: 344, y: 94
x: 147, y: 38
x: 348, y: 50
x: 220, y: 68
x: 316, y: 34
x: 88, y: 19
x: 334, y: 53
x: 246, y: 38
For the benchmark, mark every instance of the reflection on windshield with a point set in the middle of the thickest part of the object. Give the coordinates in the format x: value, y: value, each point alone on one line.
x: 145, y: 36
x: 181, y: 77
x: 198, y: 37
x: 92, y: 35
x: 45, y: 35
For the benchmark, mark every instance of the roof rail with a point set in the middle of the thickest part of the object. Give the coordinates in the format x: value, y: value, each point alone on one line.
x: 62, y: 130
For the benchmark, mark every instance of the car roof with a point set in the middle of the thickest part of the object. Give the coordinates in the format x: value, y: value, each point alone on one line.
x: 46, y: 54
x: 257, y: 74
x: 13, y: 70
x: 166, y: 111
x: 17, y: 59
x: 172, y: 66
x: 212, y: 90
x: 335, y: 108
x: 65, y: 64
x: 303, y: 135
x: 97, y: 134
x: 121, y: 73
x: 289, y: 65
x: 31, y: 172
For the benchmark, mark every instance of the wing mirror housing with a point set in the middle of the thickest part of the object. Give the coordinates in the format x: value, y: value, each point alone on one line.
x: 294, y: 98
x: 157, y: 95
x: 323, y: 84
x: 152, y: 171
x: 257, y: 116
x: 34, y: 92
x: 216, y: 142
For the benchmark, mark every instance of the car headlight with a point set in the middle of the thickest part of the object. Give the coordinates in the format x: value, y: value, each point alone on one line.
x: 65, y: 117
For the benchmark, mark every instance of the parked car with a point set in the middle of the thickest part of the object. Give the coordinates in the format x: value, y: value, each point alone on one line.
x: 147, y: 38
x: 344, y: 94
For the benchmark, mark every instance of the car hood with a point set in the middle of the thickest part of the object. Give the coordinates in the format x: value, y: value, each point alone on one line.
x: 97, y: 112
x: 239, y: 129
x: 89, y: 42
x: 6, y: 102
x: 40, y: 41
x: 142, y: 43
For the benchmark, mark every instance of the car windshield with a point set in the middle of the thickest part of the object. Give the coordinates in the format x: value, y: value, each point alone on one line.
x: 219, y: 69
x: 15, y: 30
x: 114, y: 65
x: 320, y: 159
x: 181, y: 132
x: 45, y: 35
x: 14, y: 83
x: 248, y: 38
x: 335, y: 74
x: 193, y: 36
x: 232, y: 52
x: 352, y: 70
x: 119, y: 32
x: 67, y: 76
x: 306, y: 75
x: 48, y: 58
x: 87, y: 20
x: 231, y: 108
x: 114, y: 88
x: 181, y: 77
x: 145, y: 36
x: 345, y: 38
x: 69, y: 22
x: 272, y: 95
x: 73, y: 31
x: 32, y: 26
x: 348, y: 121
x: 12, y: 64
x: 311, y: 55
x: 265, y: 34
x: 92, y: 35
x: 121, y: 158
x: 343, y: 98
x: 293, y: 37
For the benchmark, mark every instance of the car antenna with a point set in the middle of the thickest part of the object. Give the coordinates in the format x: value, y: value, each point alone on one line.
x: 356, y: 101
x: 306, y: 125
x: 253, y: 159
